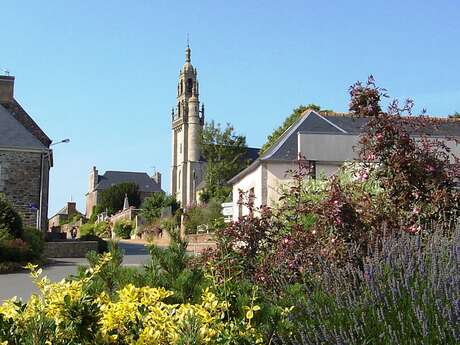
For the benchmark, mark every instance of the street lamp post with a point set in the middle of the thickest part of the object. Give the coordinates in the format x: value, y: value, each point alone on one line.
x: 45, y: 155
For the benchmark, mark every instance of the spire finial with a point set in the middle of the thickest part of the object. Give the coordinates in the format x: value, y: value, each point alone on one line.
x: 187, y: 50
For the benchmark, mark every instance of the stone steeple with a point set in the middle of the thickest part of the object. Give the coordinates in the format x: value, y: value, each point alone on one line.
x: 187, y: 123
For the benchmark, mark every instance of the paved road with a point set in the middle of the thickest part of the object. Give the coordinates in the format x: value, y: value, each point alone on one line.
x: 19, y: 284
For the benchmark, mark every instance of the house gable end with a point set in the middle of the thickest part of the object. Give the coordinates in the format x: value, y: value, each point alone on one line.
x: 13, y: 134
x: 18, y: 112
x: 287, y: 148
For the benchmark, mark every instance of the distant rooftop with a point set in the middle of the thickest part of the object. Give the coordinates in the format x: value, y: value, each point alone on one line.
x: 111, y: 178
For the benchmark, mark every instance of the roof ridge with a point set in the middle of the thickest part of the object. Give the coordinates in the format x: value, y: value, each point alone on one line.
x: 448, y: 118
x: 130, y: 172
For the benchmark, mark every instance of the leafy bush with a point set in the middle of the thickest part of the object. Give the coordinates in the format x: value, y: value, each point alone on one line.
x: 97, y: 209
x: 22, y: 250
x: 36, y: 242
x: 87, y: 229
x: 14, y: 250
x: 68, y: 313
x: 170, y: 268
x: 401, y: 184
x: 123, y: 229
x: 10, y: 220
x: 154, y: 204
x: 72, y: 220
x: 102, y: 245
x: 102, y: 229
x: 203, y: 215
x: 112, y: 276
x: 416, y: 169
x: 5, y: 235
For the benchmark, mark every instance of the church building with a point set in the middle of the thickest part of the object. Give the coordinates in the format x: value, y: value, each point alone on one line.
x: 187, y: 122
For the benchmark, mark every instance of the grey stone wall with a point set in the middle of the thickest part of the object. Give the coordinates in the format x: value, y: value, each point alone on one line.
x: 20, y: 179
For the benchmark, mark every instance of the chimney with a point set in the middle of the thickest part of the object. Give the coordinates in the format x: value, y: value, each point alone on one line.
x: 93, y: 179
x: 157, y: 178
x: 71, y: 208
x: 6, y: 89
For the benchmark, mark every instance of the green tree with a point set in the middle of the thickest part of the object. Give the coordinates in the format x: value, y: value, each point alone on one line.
x: 296, y: 113
x: 225, y: 153
x: 10, y: 220
x: 112, y: 199
x: 152, y: 206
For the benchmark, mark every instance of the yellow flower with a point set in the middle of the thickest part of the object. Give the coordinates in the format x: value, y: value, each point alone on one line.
x: 9, y: 309
x: 251, y: 310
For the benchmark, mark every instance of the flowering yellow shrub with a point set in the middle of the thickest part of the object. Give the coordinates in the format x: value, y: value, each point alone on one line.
x: 136, y: 315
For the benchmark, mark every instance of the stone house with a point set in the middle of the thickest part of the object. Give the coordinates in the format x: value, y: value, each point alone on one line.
x: 98, y: 183
x: 64, y: 215
x: 326, y: 141
x: 25, y: 159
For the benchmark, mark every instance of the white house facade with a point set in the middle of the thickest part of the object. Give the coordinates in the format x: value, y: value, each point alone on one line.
x: 326, y: 141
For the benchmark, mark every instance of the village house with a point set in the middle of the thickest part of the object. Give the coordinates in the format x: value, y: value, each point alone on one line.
x: 325, y: 140
x: 98, y: 183
x: 64, y: 215
x: 25, y: 159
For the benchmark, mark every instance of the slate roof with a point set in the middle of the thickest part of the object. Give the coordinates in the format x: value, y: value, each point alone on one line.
x: 445, y: 127
x: 252, y: 153
x: 145, y: 183
x: 18, y: 112
x: 14, y: 135
x: 352, y: 125
x: 286, y: 146
x: 312, y: 122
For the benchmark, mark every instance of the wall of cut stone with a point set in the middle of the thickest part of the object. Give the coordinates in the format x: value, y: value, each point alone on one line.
x: 20, y: 179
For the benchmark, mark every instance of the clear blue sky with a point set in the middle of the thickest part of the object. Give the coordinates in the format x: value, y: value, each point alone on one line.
x: 104, y: 73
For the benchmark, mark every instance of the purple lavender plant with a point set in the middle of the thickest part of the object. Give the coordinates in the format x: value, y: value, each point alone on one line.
x: 407, y: 292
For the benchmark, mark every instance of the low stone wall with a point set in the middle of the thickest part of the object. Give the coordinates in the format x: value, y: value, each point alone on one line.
x: 200, y: 238
x: 69, y: 249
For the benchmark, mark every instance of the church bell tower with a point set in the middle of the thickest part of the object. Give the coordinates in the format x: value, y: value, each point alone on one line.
x: 187, y: 122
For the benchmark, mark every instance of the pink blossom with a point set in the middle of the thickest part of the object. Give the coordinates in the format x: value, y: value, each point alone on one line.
x: 413, y: 229
x: 370, y: 157
x: 363, y: 177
